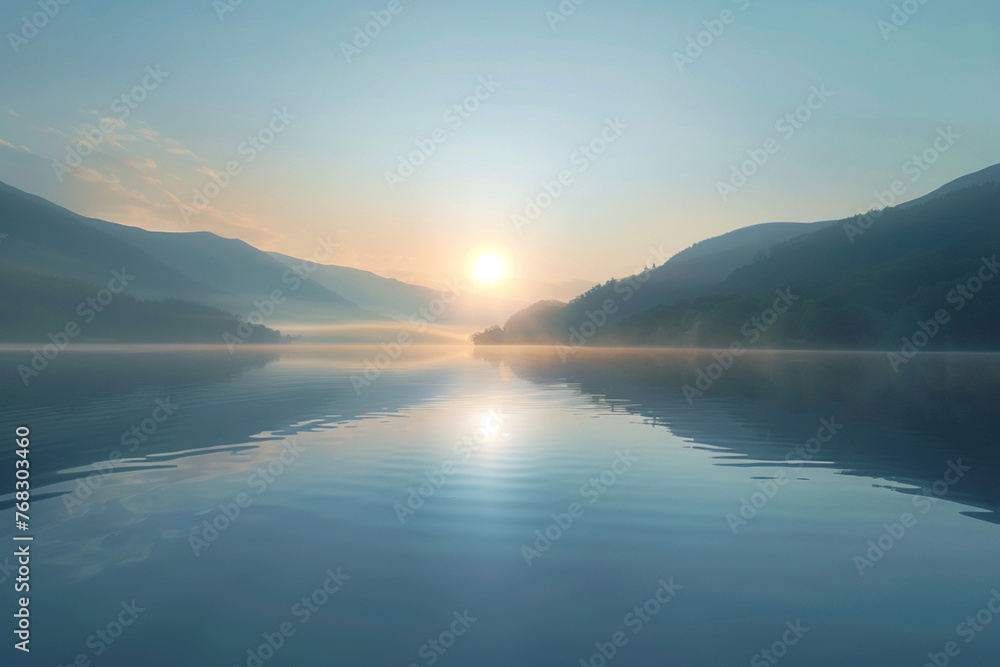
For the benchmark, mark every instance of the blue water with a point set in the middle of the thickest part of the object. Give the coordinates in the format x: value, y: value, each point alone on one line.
x: 653, y: 564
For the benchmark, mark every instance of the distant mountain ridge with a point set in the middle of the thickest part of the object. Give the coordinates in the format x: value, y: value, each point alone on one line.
x: 52, y: 312
x: 981, y: 177
x: 238, y: 271
x: 196, y: 267
x: 223, y: 274
x: 687, y: 300
x: 386, y: 296
x: 701, y: 295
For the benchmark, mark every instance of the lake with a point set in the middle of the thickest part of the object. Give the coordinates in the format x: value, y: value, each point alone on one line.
x: 302, y: 505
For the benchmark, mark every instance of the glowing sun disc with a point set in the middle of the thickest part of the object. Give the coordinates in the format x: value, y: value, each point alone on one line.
x: 489, y: 268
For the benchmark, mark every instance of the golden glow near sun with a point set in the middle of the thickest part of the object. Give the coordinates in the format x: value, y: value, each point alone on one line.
x: 489, y: 268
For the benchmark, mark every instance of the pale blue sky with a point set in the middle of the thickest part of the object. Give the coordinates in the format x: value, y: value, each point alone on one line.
x: 656, y: 185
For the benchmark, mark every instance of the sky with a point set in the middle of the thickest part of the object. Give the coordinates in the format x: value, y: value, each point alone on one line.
x: 569, y: 140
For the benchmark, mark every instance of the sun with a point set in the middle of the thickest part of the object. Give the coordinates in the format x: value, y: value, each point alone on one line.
x: 489, y: 268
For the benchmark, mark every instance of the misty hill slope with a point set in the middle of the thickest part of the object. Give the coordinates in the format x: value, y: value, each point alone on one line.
x: 48, y: 239
x: 691, y: 271
x: 200, y: 267
x: 912, y: 263
x: 34, y: 307
x: 241, y: 272
x: 686, y: 275
x: 700, y: 294
x: 925, y: 240
x: 981, y: 177
x: 741, y: 246
x: 386, y: 296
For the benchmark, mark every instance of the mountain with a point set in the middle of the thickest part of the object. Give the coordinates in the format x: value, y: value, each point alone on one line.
x: 47, y: 310
x: 386, y: 296
x: 686, y: 275
x: 225, y: 274
x: 44, y: 238
x: 740, y: 246
x: 197, y: 267
x: 929, y: 268
x: 981, y: 177
x: 864, y: 281
x: 200, y: 267
x: 238, y: 272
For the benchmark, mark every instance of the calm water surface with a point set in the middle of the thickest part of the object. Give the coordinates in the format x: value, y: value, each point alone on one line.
x: 507, y: 508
